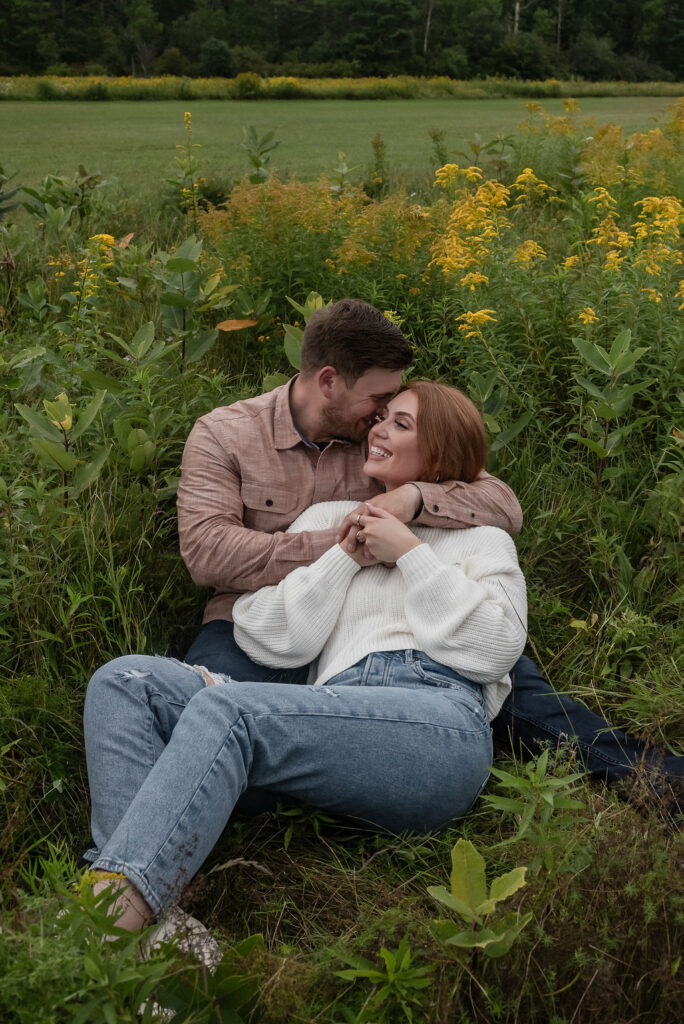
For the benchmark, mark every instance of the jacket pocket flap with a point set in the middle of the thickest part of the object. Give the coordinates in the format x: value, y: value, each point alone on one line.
x: 268, y: 499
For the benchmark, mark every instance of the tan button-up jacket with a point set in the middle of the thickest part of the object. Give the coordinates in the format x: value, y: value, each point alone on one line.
x: 247, y: 474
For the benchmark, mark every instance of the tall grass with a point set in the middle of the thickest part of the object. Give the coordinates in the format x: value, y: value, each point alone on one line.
x: 566, y: 252
x: 249, y: 85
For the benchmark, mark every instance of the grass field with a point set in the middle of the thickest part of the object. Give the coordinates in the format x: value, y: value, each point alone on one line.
x: 555, y: 297
x: 134, y: 142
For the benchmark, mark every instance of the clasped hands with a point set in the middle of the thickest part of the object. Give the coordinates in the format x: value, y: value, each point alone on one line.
x: 372, y: 534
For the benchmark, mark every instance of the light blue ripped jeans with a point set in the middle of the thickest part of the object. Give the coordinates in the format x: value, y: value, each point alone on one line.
x: 396, y: 742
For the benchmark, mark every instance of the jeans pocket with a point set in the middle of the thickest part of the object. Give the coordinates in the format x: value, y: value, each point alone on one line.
x: 453, y: 685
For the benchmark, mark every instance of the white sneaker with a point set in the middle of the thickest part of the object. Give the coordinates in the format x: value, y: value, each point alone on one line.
x: 189, y: 934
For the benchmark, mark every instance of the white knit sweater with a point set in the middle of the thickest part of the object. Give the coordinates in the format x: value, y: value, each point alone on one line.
x: 459, y: 596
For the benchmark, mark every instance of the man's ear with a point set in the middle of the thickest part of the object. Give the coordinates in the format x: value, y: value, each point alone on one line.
x: 327, y: 379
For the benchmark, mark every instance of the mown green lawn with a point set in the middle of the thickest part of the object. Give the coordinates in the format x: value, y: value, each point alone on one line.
x: 134, y: 141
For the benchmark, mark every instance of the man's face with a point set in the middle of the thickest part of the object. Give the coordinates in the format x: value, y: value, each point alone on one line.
x: 351, y: 411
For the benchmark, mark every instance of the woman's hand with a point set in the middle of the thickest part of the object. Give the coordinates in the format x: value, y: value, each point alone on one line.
x: 356, y: 550
x: 404, y: 502
x: 384, y: 536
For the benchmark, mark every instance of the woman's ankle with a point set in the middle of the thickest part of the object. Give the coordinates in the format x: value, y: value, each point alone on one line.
x: 128, y: 906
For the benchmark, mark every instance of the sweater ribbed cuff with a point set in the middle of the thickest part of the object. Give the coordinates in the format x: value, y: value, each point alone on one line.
x: 336, y: 566
x: 419, y: 564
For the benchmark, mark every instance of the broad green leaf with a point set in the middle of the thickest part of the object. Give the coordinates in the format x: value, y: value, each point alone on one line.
x: 293, y: 345
x: 100, y: 381
x: 620, y: 345
x: 500, y: 946
x: 175, y: 299
x: 88, y: 414
x: 591, y: 354
x: 505, y: 885
x: 54, y: 454
x: 39, y: 423
x: 481, y: 387
x: 87, y: 474
x: 142, y: 339
x: 190, y: 249
x: 273, y: 380
x: 507, y: 435
x: 199, y: 344
x: 589, y: 387
x: 598, y: 449
x: 442, y: 894
x: 444, y: 930
x: 27, y: 355
x: 59, y: 412
x: 626, y: 361
x: 468, y: 874
x: 180, y: 265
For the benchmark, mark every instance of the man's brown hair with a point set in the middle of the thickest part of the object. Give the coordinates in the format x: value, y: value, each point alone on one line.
x: 354, y: 337
x: 451, y: 435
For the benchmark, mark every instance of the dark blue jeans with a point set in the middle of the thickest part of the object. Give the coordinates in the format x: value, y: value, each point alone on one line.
x: 533, y: 715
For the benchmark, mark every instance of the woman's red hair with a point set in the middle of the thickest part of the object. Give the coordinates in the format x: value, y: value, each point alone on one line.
x: 451, y: 435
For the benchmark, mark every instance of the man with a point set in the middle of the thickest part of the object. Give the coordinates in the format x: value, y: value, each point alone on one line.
x: 249, y: 469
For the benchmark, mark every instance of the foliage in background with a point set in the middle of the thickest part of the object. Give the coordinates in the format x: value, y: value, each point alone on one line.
x: 620, y: 39
x: 550, y: 285
x: 253, y: 87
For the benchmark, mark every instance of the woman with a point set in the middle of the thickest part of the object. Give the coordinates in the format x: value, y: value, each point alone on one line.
x: 414, y: 633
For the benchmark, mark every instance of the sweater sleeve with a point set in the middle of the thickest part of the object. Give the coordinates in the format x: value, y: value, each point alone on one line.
x: 470, y: 616
x: 286, y: 625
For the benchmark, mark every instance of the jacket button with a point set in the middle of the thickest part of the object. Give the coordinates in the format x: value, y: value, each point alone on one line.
x: 269, y: 502
x: 435, y: 508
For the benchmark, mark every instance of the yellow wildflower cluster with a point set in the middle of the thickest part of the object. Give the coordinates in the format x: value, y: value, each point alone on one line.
x: 473, y: 279
x: 531, y: 190
x: 559, y: 125
x: 587, y: 315
x: 604, y: 156
x: 277, y: 209
x: 658, y: 228
x: 675, y: 125
x: 392, y: 228
x: 451, y: 176
x: 607, y: 234
x: 473, y: 320
x: 86, y: 270
x: 477, y: 219
x: 528, y: 252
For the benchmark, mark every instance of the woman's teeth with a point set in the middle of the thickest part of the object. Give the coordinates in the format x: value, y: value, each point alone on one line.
x: 380, y: 452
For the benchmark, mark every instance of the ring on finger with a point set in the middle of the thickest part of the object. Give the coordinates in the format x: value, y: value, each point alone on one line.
x: 358, y: 519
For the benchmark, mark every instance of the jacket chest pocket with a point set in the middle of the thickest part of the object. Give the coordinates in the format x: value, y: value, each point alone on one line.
x: 272, y: 508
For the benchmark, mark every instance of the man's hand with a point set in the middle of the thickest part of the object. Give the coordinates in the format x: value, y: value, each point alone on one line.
x: 403, y: 502
x: 385, y: 536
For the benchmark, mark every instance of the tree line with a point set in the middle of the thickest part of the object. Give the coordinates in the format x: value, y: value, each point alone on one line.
x: 636, y: 40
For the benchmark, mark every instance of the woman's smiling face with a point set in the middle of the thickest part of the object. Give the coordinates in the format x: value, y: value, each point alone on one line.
x: 393, y: 453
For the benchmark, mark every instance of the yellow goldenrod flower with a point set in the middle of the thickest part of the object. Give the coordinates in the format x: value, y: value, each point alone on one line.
x: 653, y: 294
x: 571, y: 261
x: 587, y: 315
x: 527, y: 252
x: 450, y: 175
x: 473, y: 320
x: 473, y: 279
x: 570, y: 105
